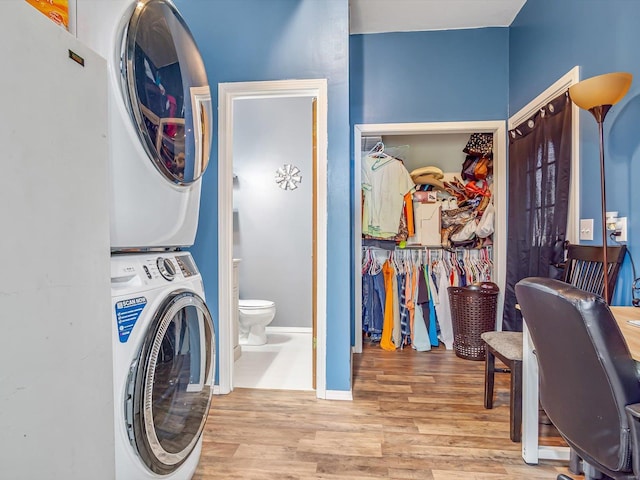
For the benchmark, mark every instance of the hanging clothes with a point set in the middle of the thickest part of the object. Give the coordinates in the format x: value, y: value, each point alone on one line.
x: 433, y: 324
x: 396, y: 335
x: 405, y: 298
x: 373, y: 297
x: 385, y: 182
x: 404, y: 311
x: 421, y: 341
x: 440, y: 280
x: 422, y: 301
x: 386, y: 341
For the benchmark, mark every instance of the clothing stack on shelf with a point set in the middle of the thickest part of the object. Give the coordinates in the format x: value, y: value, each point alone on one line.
x: 404, y: 293
x: 470, y: 223
x: 427, y: 205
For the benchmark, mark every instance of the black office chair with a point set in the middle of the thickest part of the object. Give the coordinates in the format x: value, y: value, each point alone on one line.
x: 583, y: 269
x: 589, y: 385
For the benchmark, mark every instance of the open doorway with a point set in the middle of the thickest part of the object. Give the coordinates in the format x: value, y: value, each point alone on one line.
x: 252, y: 100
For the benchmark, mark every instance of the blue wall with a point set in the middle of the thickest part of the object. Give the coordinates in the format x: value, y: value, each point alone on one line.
x: 439, y: 76
x: 547, y: 39
x: 459, y: 75
x: 453, y: 75
x: 255, y: 40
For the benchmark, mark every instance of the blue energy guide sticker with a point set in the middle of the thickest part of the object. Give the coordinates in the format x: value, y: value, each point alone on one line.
x: 127, y: 313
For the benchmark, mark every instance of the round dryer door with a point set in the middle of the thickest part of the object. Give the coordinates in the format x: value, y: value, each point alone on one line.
x: 170, y: 383
x: 167, y: 91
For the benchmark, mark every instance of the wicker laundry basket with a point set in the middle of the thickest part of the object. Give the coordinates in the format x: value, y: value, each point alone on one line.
x: 473, y: 312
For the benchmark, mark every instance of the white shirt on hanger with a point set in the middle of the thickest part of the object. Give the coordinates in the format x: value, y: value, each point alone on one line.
x: 385, y: 181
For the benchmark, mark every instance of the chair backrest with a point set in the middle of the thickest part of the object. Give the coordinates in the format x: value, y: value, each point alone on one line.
x: 587, y: 375
x: 583, y: 268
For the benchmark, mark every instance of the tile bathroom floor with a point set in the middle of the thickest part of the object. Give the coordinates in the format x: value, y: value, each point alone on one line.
x: 284, y: 363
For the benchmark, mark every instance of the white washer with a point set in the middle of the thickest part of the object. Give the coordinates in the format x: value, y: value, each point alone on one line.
x: 160, y: 119
x: 163, y: 365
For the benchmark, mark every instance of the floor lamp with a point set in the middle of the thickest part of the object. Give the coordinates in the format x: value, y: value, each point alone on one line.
x: 597, y: 95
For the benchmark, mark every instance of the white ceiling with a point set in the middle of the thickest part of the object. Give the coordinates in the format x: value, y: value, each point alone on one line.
x: 377, y: 16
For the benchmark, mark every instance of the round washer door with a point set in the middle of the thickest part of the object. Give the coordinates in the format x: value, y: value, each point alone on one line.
x: 170, y: 383
x: 167, y: 91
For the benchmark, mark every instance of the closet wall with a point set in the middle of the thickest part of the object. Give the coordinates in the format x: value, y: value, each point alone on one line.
x: 439, y: 145
x: 441, y: 150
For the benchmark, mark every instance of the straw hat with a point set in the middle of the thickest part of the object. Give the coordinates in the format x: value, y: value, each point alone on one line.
x: 431, y: 170
x: 427, y: 179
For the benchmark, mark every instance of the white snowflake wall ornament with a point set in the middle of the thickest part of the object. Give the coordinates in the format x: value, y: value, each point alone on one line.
x: 288, y: 177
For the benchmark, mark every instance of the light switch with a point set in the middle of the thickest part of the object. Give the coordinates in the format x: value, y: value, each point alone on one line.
x: 586, y: 229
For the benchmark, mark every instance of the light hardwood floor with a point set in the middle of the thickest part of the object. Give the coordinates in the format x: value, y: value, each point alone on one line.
x: 414, y: 416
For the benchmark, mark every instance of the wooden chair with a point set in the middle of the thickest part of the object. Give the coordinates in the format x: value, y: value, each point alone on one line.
x: 507, y: 346
x: 583, y: 269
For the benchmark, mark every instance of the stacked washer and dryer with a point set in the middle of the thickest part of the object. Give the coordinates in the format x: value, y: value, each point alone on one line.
x: 160, y: 127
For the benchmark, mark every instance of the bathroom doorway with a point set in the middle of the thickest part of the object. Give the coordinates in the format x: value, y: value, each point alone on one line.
x: 272, y: 191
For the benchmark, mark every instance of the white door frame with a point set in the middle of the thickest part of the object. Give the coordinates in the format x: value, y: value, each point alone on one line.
x: 227, y: 93
x: 498, y: 129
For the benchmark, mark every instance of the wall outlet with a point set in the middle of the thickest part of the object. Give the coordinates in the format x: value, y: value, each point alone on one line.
x: 586, y: 229
x: 621, y: 226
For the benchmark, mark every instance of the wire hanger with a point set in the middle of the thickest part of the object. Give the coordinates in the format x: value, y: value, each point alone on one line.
x: 378, y: 148
x: 382, y: 161
x: 381, y: 158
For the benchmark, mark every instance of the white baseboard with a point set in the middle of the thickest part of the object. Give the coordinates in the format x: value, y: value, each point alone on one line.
x: 218, y: 391
x: 339, y: 395
x: 289, y: 329
x: 345, y: 395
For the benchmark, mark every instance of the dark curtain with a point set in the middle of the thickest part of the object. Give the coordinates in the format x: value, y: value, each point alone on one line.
x: 538, y: 177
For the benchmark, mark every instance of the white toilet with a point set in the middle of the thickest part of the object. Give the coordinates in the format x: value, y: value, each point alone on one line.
x: 254, y: 316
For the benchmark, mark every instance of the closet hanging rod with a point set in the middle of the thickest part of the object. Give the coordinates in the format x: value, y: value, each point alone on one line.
x: 440, y: 247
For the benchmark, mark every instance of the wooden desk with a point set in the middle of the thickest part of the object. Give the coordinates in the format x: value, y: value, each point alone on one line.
x: 630, y: 332
x: 531, y: 451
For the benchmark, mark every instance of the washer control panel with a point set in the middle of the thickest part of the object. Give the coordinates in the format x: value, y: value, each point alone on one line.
x: 166, y: 268
x: 151, y: 269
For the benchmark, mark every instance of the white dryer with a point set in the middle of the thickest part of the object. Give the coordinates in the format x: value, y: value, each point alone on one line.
x: 160, y: 119
x: 163, y: 367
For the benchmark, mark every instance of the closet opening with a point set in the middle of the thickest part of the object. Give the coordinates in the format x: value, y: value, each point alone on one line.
x: 432, y: 157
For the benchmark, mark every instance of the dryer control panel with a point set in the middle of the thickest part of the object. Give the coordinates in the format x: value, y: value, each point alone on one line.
x: 151, y: 269
x: 187, y: 265
x: 166, y: 268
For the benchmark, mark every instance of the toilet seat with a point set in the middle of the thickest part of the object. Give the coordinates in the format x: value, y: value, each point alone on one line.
x: 255, y: 304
